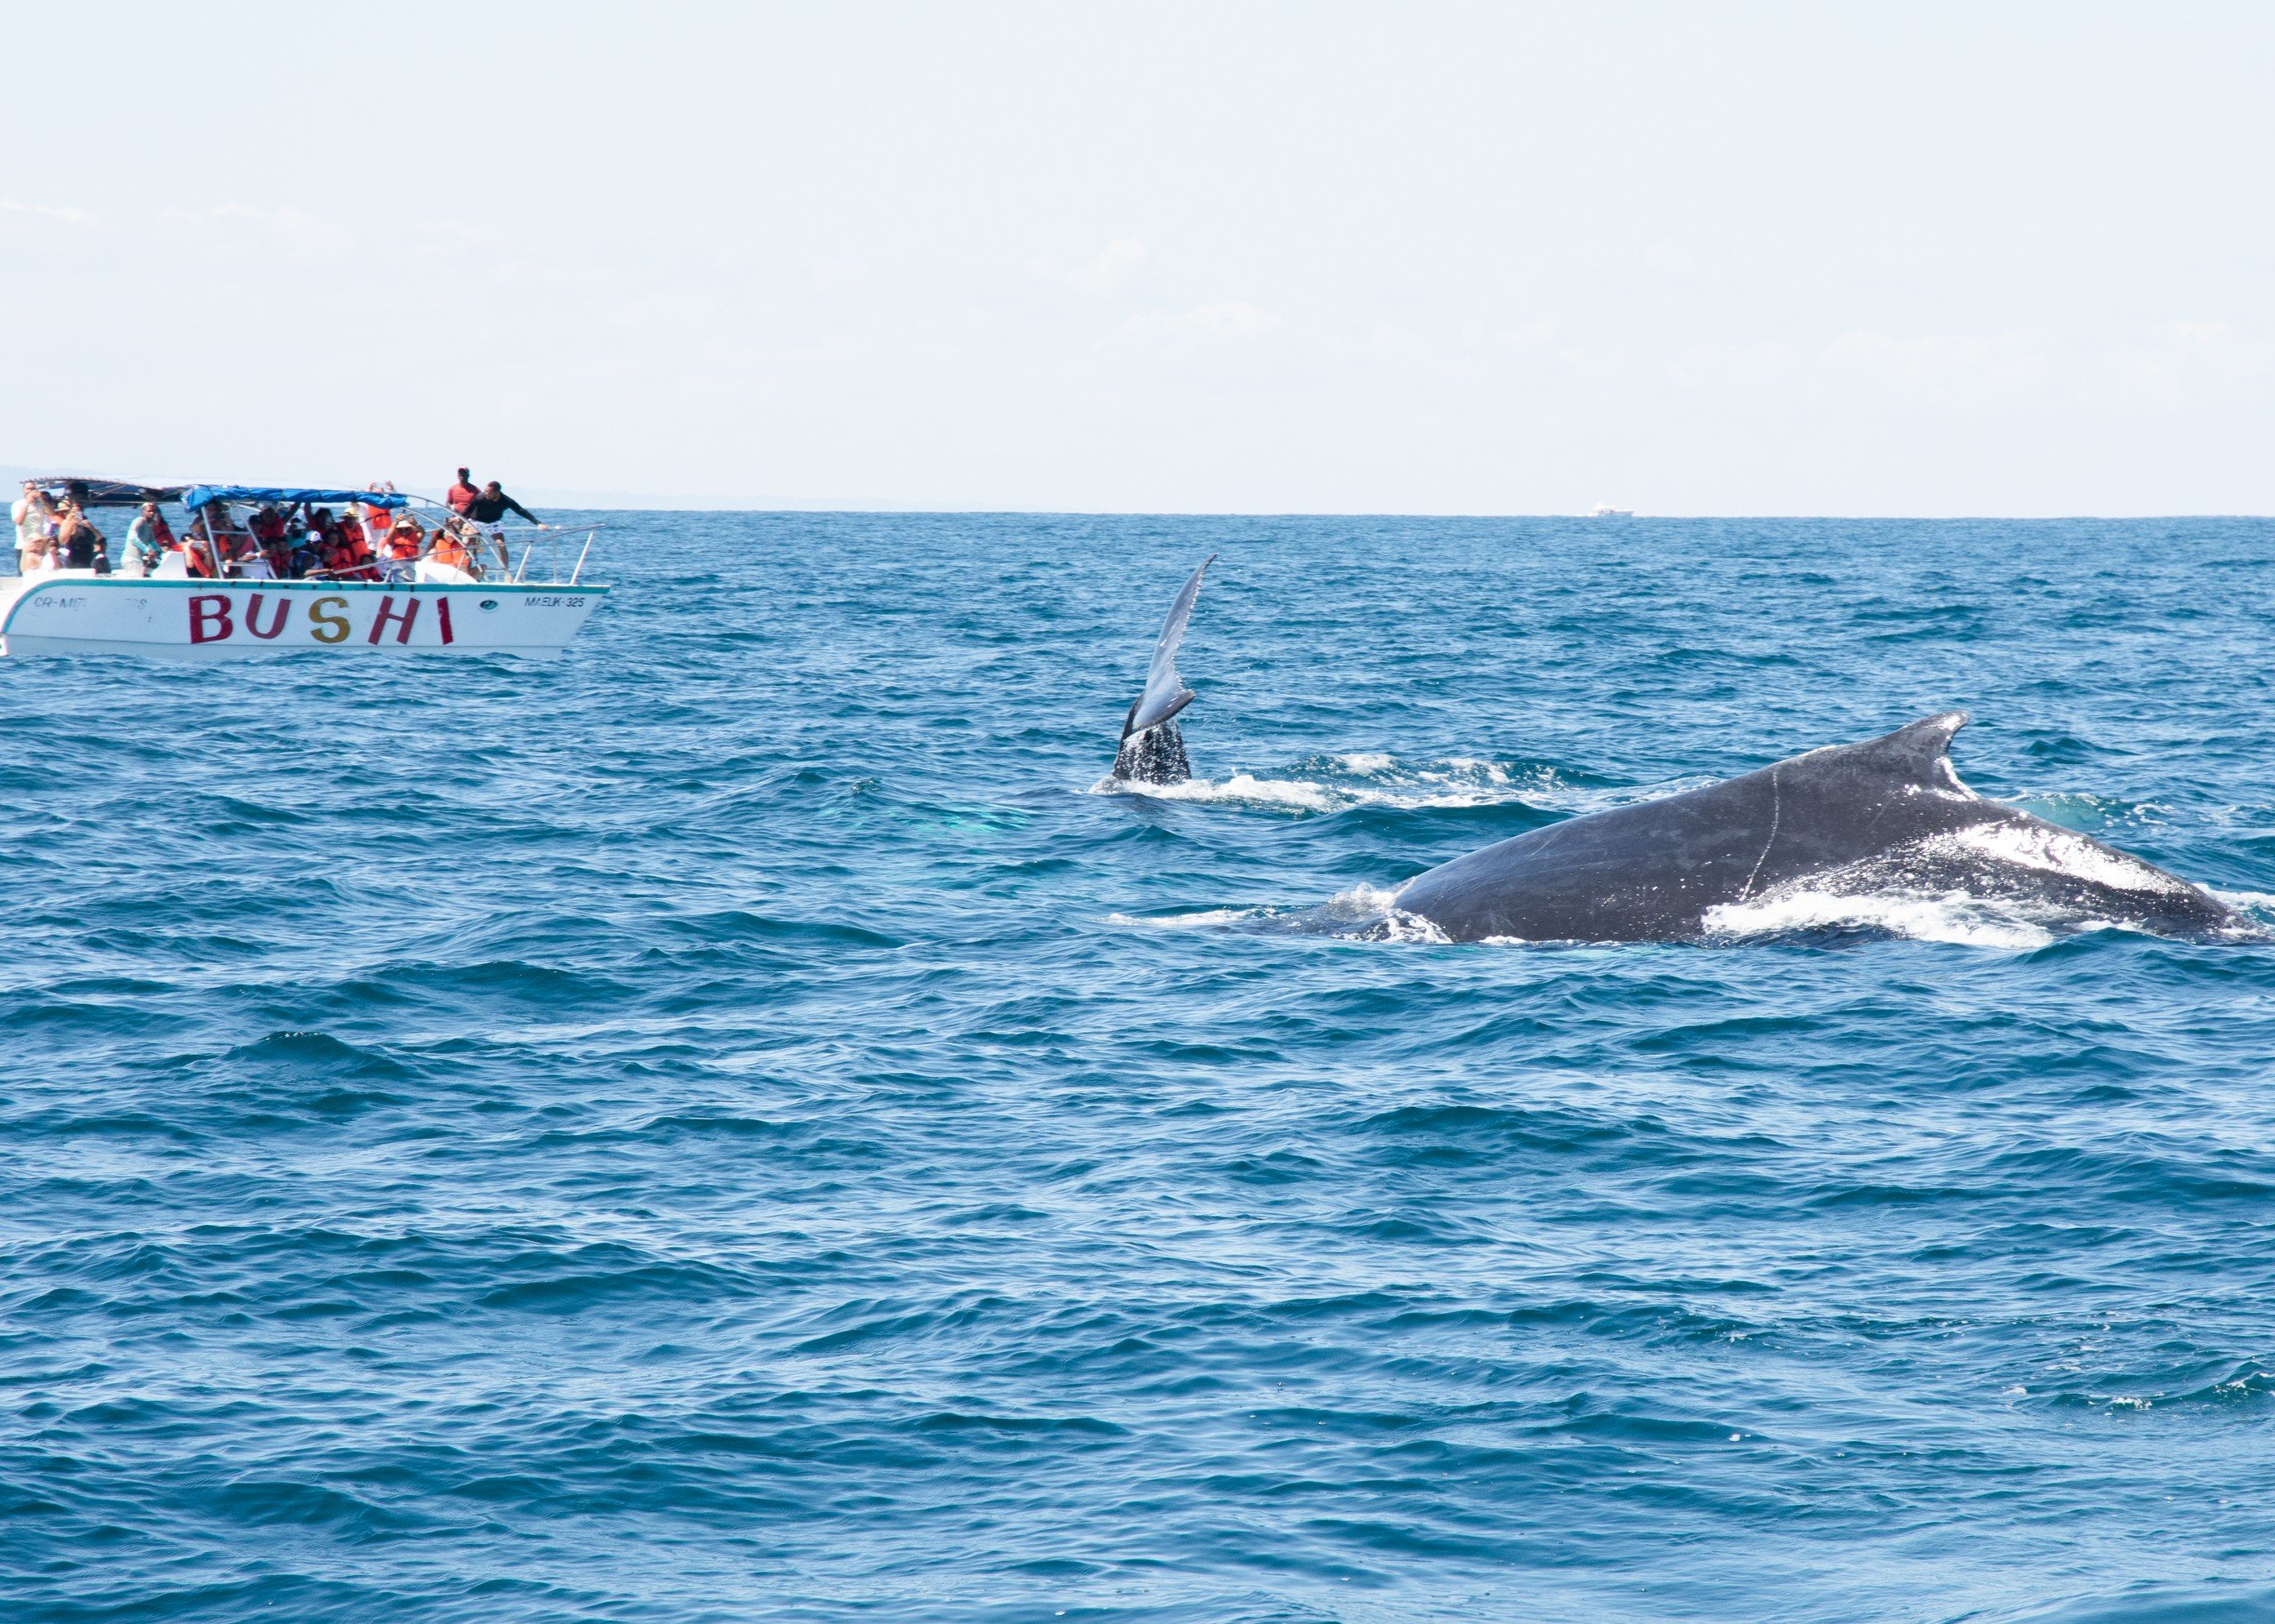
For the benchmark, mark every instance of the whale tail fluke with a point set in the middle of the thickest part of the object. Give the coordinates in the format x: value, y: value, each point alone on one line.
x: 1151, y: 749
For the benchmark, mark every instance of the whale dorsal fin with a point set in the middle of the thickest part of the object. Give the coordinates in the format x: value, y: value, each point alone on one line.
x: 1919, y: 753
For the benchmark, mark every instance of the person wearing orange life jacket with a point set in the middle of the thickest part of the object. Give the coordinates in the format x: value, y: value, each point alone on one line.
x: 404, y: 541
x: 348, y: 558
x: 237, y: 544
x: 331, y: 540
x: 450, y: 548
x: 197, y: 547
x: 375, y: 518
x: 268, y: 529
x: 214, y: 533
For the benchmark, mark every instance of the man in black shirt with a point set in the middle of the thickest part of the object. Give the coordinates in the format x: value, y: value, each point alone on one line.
x: 494, y: 505
x: 80, y: 542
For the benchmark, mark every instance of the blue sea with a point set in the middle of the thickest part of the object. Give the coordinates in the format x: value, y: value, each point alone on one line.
x: 740, y: 1124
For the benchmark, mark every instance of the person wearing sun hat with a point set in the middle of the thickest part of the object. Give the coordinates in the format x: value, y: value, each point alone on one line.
x: 406, y: 539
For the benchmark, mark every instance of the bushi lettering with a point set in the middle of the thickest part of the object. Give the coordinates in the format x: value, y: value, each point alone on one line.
x: 214, y: 618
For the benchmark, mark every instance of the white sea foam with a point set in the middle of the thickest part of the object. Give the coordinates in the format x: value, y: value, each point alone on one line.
x: 1242, y: 789
x: 1372, y: 912
x: 1363, y: 913
x: 1952, y: 917
x: 1372, y: 778
x: 1203, y: 919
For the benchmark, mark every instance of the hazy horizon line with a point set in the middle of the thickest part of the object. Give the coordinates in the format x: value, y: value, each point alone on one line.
x: 628, y: 501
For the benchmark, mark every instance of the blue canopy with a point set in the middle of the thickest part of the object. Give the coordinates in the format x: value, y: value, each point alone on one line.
x: 198, y: 496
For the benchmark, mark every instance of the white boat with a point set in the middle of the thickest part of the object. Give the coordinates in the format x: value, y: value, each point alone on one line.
x: 1601, y: 511
x: 236, y: 608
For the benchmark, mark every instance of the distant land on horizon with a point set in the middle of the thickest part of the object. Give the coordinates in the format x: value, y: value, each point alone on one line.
x: 12, y: 475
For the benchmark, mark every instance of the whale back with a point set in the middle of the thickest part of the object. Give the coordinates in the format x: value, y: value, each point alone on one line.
x: 1890, y: 811
x: 1847, y: 803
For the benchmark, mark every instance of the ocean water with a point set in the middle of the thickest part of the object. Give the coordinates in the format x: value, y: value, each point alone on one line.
x: 733, y: 1125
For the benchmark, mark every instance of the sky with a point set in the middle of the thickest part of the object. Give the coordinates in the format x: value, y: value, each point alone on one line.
x: 1902, y: 258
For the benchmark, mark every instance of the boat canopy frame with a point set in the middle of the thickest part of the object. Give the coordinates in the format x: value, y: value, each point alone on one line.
x: 103, y: 493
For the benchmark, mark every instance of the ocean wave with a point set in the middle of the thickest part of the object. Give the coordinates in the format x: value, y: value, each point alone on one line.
x: 721, y: 1126
x: 1368, y: 778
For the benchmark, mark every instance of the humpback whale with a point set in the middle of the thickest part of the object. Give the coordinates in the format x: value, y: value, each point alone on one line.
x: 1886, y: 816
x: 1153, y: 748
x: 1848, y: 820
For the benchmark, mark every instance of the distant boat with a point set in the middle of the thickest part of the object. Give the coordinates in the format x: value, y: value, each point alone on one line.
x: 1601, y: 511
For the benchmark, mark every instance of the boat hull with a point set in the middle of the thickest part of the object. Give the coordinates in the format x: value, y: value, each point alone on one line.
x: 77, y: 612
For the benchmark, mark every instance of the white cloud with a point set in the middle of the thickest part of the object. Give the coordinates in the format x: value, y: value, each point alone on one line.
x: 1747, y: 367
x: 1472, y: 357
x: 63, y: 215
x: 1404, y: 346
x: 1531, y: 336
x: 850, y: 278
x: 1160, y: 332
x: 2177, y: 365
x: 1958, y: 371
x: 1668, y: 260
x: 664, y: 309
x: 291, y: 234
x: 1103, y: 277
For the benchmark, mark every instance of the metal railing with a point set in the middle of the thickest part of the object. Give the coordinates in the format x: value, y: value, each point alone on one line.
x: 489, y: 549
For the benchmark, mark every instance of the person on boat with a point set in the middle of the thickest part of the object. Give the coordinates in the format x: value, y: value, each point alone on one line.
x: 375, y: 518
x: 266, y: 527
x: 311, y: 542
x: 79, y: 545
x: 406, y: 539
x: 228, y: 545
x: 462, y: 495
x: 148, y: 537
x: 450, y: 548
x: 348, y: 558
x: 238, y: 547
x: 35, y: 521
x: 494, y: 505
x: 201, y: 555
